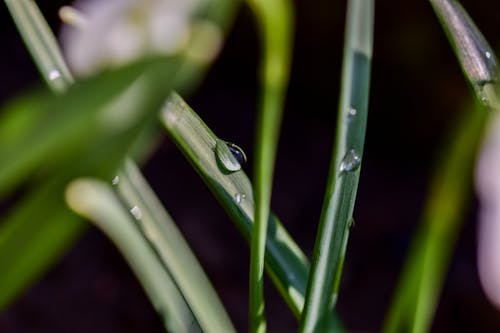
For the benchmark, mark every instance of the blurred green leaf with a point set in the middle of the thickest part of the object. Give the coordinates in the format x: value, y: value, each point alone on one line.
x: 32, y: 238
x: 49, y: 140
x: 41, y: 43
x: 422, y: 278
x: 92, y: 137
x: 418, y: 290
x: 275, y: 20
x: 83, y: 124
x: 170, y: 248
x: 97, y: 201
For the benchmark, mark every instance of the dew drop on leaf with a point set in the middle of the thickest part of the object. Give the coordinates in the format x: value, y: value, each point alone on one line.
x: 230, y: 156
x: 239, y: 197
x: 350, y: 162
x: 136, y: 212
x: 351, y: 113
x: 54, y: 75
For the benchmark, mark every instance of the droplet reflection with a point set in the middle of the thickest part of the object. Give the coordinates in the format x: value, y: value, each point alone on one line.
x: 350, y: 162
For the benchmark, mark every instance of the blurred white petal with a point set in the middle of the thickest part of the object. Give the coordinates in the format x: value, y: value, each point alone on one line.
x: 119, y: 31
x: 488, y: 189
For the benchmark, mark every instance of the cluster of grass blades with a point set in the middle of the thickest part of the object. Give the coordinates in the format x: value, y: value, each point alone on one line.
x: 418, y: 290
x: 84, y: 158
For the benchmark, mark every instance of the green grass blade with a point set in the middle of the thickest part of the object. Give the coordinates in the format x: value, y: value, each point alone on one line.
x: 275, y: 25
x: 40, y: 229
x: 476, y: 57
x: 340, y: 195
x: 285, y: 262
x: 97, y: 201
x: 72, y: 132
x: 418, y: 290
x: 423, y: 275
x: 159, y: 229
x: 41, y: 43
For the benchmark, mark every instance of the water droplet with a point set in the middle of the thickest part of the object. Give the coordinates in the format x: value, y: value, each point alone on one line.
x: 350, y: 162
x: 488, y: 54
x: 115, y: 180
x: 237, y: 152
x: 136, y: 212
x: 54, y: 74
x: 239, y: 197
x: 350, y: 224
x: 169, y: 113
x: 351, y: 113
x: 230, y: 156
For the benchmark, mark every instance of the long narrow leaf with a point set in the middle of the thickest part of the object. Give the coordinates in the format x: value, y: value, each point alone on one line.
x: 172, y: 250
x: 428, y: 259
x: 96, y: 201
x: 275, y: 25
x: 41, y: 43
x: 285, y: 262
x: 336, y: 217
x: 33, y: 237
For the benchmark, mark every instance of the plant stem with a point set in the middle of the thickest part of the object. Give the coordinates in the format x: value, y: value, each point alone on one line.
x: 275, y: 24
x: 336, y: 217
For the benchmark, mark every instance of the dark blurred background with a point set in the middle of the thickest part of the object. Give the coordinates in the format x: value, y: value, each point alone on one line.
x: 417, y: 93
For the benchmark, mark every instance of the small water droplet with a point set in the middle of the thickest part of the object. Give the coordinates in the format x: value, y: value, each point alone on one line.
x: 230, y: 156
x: 350, y: 224
x: 237, y: 152
x: 351, y: 113
x: 350, y: 162
x: 484, y: 100
x: 136, y: 212
x: 239, y: 197
x: 170, y: 115
x: 115, y: 180
x: 488, y: 54
x: 54, y: 74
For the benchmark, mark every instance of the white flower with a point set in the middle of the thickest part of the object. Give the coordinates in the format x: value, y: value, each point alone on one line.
x: 115, y: 32
x: 488, y: 190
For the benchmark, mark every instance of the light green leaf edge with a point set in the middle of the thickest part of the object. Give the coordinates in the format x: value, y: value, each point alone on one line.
x: 172, y: 250
x: 96, y: 201
x: 336, y: 217
x: 275, y: 20
x: 41, y: 43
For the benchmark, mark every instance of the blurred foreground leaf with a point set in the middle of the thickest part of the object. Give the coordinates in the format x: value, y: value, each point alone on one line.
x: 275, y: 21
x: 87, y: 132
x: 419, y: 287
